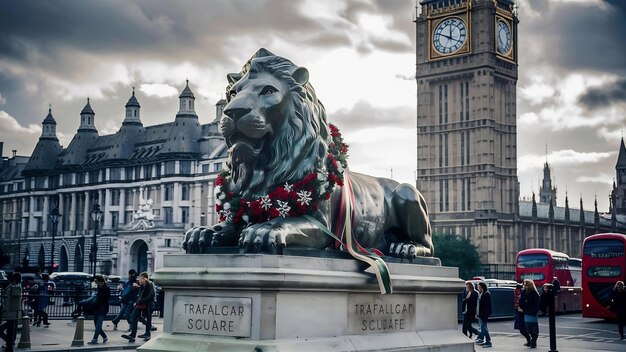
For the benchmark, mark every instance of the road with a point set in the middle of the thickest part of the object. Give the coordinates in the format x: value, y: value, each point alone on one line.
x: 573, y: 333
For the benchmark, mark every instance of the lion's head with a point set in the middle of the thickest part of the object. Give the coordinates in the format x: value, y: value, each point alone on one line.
x: 274, y: 125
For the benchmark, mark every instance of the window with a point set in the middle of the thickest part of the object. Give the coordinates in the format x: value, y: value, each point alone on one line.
x: 67, y: 179
x: 168, y: 242
x: 532, y: 261
x: 158, y: 170
x: 184, y: 215
x: 115, y: 174
x: 205, y: 168
x: 446, y: 148
x: 441, y: 195
x: 38, y: 203
x: 167, y: 215
x: 129, y: 173
x: 80, y: 178
x: 170, y: 167
x: 147, y: 171
x: 169, y: 191
x: 115, y: 197
x: 447, y: 196
x: 462, y: 148
x: 185, y: 167
x: 114, y: 219
x: 40, y: 182
x: 604, y: 248
x: 93, y: 176
x: 467, y: 147
x: 217, y: 167
x: 184, y: 191
x: 440, y: 150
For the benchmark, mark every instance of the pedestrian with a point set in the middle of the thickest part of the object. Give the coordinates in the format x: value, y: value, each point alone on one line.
x: 618, y: 306
x: 127, y: 298
x: 544, y: 298
x: 42, y: 302
x: 556, y: 285
x: 11, y: 311
x: 470, y: 299
x: 519, y: 315
x: 483, y: 313
x: 143, y: 305
x: 529, y: 303
x: 101, y: 309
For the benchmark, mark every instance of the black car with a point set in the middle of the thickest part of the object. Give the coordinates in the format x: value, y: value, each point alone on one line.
x: 71, y: 285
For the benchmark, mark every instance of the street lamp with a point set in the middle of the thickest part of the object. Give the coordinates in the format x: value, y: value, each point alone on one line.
x: 96, y: 215
x: 54, y: 217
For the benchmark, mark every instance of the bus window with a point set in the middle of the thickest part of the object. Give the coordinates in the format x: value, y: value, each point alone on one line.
x: 533, y: 276
x: 532, y: 261
x: 604, y: 248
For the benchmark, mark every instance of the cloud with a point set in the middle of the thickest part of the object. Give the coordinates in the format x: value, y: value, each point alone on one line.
x: 3, y: 100
x: 602, y: 178
x: 537, y: 92
x: 363, y: 115
x: 16, y: 136
x: 605, y: 95
x: 558, y: 158
x: 158, y: 90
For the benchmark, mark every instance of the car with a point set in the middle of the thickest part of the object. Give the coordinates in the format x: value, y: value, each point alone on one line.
x: 71, y: 285
x: 29, y: 280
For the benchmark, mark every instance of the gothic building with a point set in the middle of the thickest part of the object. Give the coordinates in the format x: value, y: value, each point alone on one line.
x: 466, y: 74
x: 175, y: 162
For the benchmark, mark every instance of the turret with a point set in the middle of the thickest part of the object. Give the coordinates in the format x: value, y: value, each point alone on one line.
x: 87, y: 119
x: 132, y: 111
x: 186, y: 102
x: 46, y: 151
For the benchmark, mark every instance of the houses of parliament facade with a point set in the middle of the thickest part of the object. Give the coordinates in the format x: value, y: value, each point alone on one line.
x: 466, y: 73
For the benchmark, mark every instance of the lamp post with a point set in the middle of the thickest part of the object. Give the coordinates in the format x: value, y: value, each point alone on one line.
x: 96, y: 215
x: 54, y: 217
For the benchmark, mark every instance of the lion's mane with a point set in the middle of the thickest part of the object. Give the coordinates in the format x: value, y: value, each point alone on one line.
x: 301, y: 143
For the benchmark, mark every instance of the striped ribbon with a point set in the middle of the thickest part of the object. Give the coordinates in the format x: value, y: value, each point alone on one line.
x: 372, y: 258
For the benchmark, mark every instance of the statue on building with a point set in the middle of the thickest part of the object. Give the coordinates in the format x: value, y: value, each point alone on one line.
x: 143, y: 218
x: 287, y: 182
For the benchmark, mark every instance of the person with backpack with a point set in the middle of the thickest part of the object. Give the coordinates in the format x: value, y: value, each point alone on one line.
x: 128, y: 297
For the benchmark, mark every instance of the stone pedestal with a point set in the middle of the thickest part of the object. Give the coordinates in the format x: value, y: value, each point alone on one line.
x: 240, y: 302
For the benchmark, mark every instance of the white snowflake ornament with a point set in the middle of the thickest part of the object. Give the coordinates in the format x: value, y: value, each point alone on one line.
x: 266, y: 202
x: 283, y: 208
x: 304, y: 197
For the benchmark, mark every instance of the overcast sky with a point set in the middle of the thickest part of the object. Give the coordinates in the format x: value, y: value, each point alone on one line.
x: 571, y: 92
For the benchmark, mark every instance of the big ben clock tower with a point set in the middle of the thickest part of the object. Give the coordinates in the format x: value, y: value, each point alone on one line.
x: 466, y: 121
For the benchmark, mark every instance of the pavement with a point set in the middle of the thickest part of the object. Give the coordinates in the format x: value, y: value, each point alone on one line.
x: 59, y: 335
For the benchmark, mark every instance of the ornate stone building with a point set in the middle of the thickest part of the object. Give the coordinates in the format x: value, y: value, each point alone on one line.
x: 176, y: 163
x: 466, y: 73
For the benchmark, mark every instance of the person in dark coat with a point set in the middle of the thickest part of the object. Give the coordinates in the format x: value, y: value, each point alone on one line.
x: 101, y: 308
x: 618, y: 306
x: 529, y: 303
x: 519, y: 313
x: 483, y: 313
x: 42, y: 301
x: 11, y: 310
x: 469, y: 302
x: 143, y: 306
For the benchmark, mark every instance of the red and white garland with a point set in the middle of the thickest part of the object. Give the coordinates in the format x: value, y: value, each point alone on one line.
x: 300, y: 198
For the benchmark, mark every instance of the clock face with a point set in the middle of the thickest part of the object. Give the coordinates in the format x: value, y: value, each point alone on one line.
x: 450, y: 35
x: 503, y: 35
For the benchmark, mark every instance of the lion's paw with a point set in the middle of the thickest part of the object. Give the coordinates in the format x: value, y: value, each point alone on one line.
x: 262, y: 238
x: 407, y: 250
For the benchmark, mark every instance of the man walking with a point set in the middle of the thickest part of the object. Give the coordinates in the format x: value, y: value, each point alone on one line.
x: 12, y: 311
x: 128, y: 297
x: 142, y: 305
x: 484, y: 311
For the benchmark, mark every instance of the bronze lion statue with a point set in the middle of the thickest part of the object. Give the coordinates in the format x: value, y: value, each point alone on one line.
x: 283, y: 185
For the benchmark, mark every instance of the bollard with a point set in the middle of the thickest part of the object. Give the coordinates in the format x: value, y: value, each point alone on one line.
x: 552, y: 320
x: 78, y: 340
x: 25, y: 336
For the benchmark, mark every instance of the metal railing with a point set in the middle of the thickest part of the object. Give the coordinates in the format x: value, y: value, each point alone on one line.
x: 63, y: 304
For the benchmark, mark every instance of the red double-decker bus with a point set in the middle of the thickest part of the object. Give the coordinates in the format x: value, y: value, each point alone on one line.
x: 542, y: 266
x: 604, y: 263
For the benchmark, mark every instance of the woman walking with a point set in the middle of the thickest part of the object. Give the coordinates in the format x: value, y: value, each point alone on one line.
x: 618, y: 306
x: 529, y: 303
x: 101, y: 309
x: 470, y: 299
